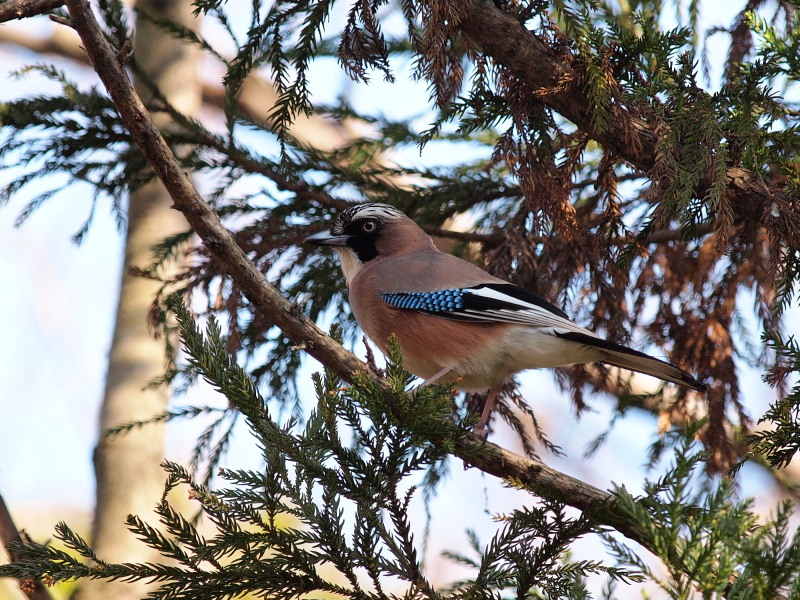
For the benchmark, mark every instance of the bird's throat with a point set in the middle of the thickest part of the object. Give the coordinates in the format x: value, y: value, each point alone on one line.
x: 351, y: 265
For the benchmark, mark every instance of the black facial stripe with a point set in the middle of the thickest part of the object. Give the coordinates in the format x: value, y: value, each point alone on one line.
x: 363, y: 244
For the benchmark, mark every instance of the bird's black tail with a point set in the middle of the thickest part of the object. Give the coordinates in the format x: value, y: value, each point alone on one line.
x: 633, y: 360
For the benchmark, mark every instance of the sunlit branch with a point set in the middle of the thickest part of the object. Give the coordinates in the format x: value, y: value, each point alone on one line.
x: 21, y: 9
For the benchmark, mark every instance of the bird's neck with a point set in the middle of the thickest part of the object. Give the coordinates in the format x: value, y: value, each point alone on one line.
x: 350, y: 263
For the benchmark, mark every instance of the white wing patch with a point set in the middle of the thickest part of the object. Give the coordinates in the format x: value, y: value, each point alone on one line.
x: 523, y: 313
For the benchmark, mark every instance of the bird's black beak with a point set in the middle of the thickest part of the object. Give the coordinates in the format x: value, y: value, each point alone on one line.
x: 326, y: 238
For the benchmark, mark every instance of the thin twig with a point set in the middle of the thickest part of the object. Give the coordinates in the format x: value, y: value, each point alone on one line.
x: 488, y: 240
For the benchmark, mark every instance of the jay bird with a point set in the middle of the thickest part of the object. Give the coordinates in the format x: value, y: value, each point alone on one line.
x: 456, y: 323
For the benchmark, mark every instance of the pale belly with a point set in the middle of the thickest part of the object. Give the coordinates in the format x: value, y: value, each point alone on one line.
x: 480, y: 356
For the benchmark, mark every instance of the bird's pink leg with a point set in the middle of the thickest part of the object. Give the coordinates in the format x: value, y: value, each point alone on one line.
x: 480, y: 428
x: 434, y: 378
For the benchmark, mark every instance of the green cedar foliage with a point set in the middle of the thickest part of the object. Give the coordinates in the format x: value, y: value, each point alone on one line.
x: 712, y: 543
x: 334, y: 496
x: 779, y: 443
x: 345, y: 479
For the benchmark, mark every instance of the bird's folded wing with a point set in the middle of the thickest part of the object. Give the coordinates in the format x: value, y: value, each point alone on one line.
x: 507, y: 303
x: 488, y: 303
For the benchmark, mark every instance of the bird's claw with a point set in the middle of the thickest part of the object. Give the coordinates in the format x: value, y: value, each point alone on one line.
x: 482, y: 432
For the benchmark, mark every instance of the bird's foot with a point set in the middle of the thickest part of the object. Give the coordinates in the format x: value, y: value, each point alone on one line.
x: 481, y: 431
x: 370, y: 359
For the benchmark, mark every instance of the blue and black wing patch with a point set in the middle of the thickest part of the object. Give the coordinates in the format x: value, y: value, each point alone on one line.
x: 496, y: 302
x: 440, y: 301
x: 507, y: 303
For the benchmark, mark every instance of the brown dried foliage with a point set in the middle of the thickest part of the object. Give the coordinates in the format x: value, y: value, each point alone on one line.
x: 440, y: 48
x: 557, y: 241
x: 363, y: 45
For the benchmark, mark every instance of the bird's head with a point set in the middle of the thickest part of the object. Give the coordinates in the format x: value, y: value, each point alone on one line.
x: 365, y: 232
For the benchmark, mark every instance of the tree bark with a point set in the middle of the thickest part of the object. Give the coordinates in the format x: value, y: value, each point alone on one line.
x: 129, y: 476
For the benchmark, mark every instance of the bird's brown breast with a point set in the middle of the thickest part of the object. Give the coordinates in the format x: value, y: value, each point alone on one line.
x: 429, y: 343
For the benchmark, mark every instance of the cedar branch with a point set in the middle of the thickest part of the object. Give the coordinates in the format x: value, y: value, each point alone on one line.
x: 542, y: 67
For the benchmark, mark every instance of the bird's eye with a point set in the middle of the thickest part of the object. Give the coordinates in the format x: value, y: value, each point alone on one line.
x: 369, y: 226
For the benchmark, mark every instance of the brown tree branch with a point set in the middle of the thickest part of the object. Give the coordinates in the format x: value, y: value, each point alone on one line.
x: 35, y: 590
x: 489, y: 239
x: 21, y: 9
x: 535, y: 476
x: 546, y: 482
x: 555, y: 73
